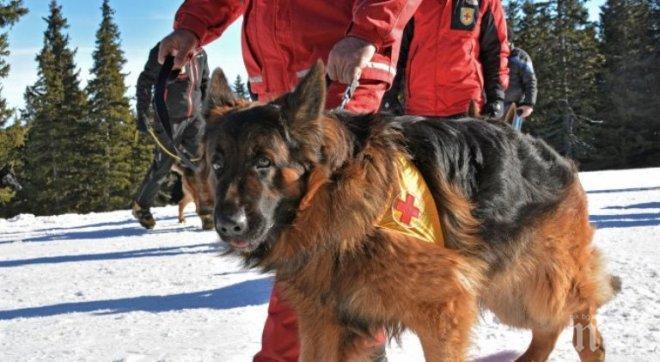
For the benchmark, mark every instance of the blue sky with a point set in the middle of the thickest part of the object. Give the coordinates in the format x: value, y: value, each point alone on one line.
x: 142, y: 23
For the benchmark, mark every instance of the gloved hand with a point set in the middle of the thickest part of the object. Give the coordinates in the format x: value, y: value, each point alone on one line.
x: 347, y: 59
x: 142, y: 122
x: 494, y: 109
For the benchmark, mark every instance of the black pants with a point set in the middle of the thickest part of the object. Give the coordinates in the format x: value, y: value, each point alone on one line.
x: 187, y: 134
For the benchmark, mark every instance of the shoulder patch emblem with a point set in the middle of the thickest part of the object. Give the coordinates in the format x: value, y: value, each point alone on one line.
x: 467, y: 16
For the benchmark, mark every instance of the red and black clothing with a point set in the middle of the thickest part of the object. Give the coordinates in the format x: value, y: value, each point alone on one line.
x: 282, y: 39
x: 458, y: 53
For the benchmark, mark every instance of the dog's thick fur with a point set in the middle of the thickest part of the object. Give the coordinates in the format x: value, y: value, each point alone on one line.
x: 313, y: 185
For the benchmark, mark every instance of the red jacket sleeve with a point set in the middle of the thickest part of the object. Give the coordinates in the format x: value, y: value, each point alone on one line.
x: 494, y: 51
x: 208, y: 18
x: 381, y: 22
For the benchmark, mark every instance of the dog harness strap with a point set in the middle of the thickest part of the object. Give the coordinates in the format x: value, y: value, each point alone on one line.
x: 412, y: 211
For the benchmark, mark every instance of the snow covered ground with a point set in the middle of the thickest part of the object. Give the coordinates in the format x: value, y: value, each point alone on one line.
x: 99, y: 287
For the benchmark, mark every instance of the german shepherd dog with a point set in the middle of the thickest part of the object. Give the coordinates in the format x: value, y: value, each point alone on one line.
x: 299, y: 192
x: 7, y: 178
x: 194, y: 190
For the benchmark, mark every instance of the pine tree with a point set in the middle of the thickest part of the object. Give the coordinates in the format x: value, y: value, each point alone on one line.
x: 513, y: 10
x: 240, y: 89
x: 563, y: 44
x: 141, y: 157
x: 110, y: 152
x: 12, y: 140
x: 55, y: 114
x: 10, y: 13
x: 631, y: 84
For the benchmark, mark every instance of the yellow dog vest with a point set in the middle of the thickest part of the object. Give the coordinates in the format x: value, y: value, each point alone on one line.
x: 412, y: 211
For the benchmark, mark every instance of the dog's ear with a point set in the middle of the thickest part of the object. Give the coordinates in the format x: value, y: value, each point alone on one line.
x: 219, y: 93
x: 302, y: 107
x: 473, y: 109
x: 510, y: 114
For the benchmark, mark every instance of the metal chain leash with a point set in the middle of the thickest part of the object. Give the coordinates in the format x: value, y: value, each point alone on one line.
x: 348, y: 94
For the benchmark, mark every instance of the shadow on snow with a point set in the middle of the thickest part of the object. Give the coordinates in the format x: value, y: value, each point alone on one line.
x: 506, y: 356
x: 251, y: 292
x: 141, y: 253
x: 68, y: 232
x: 85, y: 226
x: 634, y: 189
x: 625, y: 220
x: 125, y: 221
x: 645, y: 205
x: 106, y: 233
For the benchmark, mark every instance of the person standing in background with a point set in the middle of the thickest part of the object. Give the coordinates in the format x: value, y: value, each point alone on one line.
x: 522, y: 89
x: 184, y: 103
x: 457, y: 55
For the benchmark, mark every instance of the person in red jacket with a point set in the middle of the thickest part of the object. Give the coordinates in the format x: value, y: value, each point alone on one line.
x: 281, y: 40
x: 458, y: 53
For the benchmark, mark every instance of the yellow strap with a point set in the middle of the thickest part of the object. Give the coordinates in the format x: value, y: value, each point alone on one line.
x: 160, y: 145
x: 412, y: 211
x: 165, y: 150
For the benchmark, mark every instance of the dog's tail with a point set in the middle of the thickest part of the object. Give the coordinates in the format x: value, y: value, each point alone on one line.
x: 607, y: 285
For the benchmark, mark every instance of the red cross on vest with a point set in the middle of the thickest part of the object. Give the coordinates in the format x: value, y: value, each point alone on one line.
x: 411, y: 211
x: 407, y: 209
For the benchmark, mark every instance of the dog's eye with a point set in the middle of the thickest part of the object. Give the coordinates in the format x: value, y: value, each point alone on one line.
x: 263, y: 162
x: 218, y: 164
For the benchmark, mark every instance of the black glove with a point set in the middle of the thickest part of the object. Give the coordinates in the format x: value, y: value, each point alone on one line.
x: 494, y: 109
x: 142, y: 123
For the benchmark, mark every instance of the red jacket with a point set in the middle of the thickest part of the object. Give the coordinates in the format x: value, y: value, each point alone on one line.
x: 458, y: 50
x: 283, y: 38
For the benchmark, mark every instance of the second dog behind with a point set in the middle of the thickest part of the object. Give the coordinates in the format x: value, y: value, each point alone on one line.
x: 195, y: 190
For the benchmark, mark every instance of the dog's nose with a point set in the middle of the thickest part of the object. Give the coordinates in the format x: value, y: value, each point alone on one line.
x: 231, y: 225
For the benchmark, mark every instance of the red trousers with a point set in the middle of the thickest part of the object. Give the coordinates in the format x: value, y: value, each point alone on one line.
x: 279, y: 342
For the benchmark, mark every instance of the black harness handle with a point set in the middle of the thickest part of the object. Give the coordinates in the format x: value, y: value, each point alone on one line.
x: 166, y: 76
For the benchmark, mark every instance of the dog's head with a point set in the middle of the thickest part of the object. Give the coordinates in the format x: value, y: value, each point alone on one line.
x: 259, y: 158
x: 7, y: 178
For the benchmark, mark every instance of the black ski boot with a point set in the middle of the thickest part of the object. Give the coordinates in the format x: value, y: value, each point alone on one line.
x: 143, y: 216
